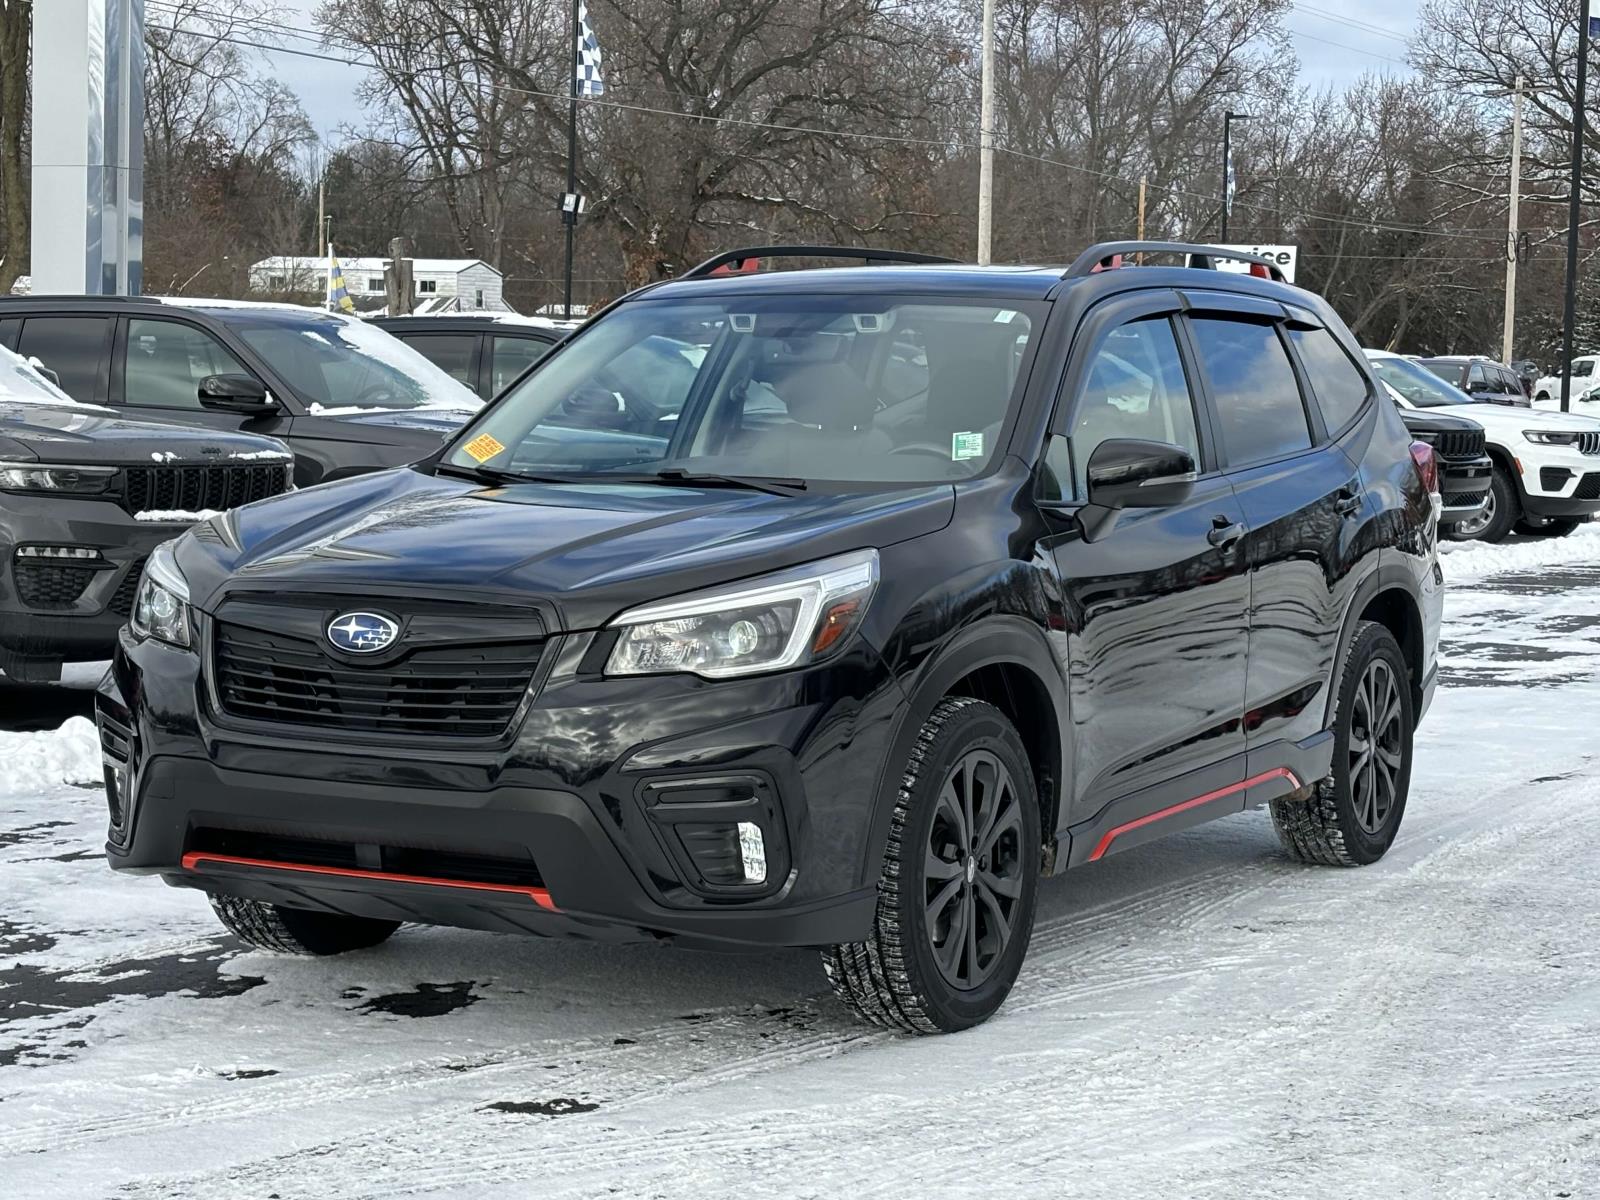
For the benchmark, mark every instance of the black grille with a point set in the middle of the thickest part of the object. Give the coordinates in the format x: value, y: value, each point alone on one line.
x: 452, y: 691
x: 189, y: 489
x: 1588, y: 443
x: 423, y: 862
x: 1463, y: 499
x: 51, y: 585
x: 122, y: 599
x: 1588, y: 487
x: 1459, y: 443
x: 1553, y: 479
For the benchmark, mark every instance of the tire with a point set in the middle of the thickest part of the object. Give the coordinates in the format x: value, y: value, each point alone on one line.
x: 1542, y: 396
x: 297, y: 930
x: 1550, y: 527
x: 914, y: 972
x: 1342, y: 823
x: 1504, y: 511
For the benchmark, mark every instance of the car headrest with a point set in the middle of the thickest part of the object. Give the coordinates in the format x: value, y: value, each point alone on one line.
x: 828, y: 394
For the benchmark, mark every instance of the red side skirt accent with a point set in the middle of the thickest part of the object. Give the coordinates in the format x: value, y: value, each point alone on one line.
x: 540, y: 896
x: 1112, y: 834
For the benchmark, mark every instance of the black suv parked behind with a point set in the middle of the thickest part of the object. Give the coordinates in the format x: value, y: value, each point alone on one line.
x: 937, y: 579
x: 345, y: 396
x: 1465, y: 468
x: 85, y: 495
x: 485, y: 352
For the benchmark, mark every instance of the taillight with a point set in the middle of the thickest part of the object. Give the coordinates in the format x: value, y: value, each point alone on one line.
x: 1427, y: 465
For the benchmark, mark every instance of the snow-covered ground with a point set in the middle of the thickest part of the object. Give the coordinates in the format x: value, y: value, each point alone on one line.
x: 1198, y: 1017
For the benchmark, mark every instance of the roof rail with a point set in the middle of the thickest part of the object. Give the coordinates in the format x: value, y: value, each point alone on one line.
x: 1099, y: 256
x: 744, y: 254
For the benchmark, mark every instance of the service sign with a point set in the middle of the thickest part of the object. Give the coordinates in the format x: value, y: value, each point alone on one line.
x: 1284, y: 256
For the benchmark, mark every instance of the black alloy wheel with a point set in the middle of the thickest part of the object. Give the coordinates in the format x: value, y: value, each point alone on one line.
x: 972, y: 871
x: 1376, y: 749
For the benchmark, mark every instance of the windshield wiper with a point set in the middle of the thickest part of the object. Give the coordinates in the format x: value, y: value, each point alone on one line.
x: 498, y: 478
x: 772, y: 485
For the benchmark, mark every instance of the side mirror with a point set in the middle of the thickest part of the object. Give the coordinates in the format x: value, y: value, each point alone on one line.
x: 237, y: 394
x: 1134, y: 473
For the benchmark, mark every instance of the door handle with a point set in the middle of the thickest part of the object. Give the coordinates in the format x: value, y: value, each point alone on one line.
x: 1347, y: 501
x: 1224, y: 532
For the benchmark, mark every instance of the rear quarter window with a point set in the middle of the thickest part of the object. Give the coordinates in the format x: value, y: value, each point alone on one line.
x: 1337, y: 383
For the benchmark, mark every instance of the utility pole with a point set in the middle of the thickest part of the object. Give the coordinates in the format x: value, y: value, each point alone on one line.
x: 986, y: 140
x: 1228, y: 118
x: 1511, y: 223
x: 1570, y: 307
x: 1139, y: 258
x: 321, y: 181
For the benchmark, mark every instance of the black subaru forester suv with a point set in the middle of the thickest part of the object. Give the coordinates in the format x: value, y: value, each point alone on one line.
x: 931, y: 580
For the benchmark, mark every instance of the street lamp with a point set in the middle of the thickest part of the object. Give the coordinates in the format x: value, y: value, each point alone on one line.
x: 1228, y: 118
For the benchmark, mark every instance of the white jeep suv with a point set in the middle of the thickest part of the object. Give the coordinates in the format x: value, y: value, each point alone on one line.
x: 1546, y: 465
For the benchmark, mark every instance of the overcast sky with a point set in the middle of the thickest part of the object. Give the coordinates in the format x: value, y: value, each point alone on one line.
x: 1335, y: 40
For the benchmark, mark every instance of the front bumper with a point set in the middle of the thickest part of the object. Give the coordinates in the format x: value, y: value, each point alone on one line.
x: 1558, y: 481
x: 577, y: 827
x: 1464, y: 488
x: 54, y: 611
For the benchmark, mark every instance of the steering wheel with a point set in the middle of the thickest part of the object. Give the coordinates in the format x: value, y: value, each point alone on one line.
x: 377, y: 395
x: 922, y: 448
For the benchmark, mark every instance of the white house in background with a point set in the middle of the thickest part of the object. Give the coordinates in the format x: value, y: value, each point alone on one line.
x: 442, y: 284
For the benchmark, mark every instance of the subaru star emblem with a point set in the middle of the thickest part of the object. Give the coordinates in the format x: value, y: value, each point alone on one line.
x: 361, y: 632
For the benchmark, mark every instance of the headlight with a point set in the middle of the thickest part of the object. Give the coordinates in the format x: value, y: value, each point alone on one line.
x: 25, y: 477
x: 1547, y: 437
x: 768, y: 624
x: 161, y: 608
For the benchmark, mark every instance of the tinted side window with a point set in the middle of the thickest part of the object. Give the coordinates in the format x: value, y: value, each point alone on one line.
x: 513, y: 356
x: 1259, y: 411
x: 11, y: 326
x: 166, y: 362
x: 72, y: 347
x: 450, y: 352
x: 1337, y: 383
x: 1582, y: 368
x: 1135, y: 388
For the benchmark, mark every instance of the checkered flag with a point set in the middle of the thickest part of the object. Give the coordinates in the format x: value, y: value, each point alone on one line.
x: 590, y: 81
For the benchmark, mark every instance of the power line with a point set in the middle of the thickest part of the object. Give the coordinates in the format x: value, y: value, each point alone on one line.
x: 1385, y: 31
x: 901, y: 139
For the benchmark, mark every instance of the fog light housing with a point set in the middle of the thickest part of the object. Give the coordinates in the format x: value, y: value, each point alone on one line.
x: 752, y: 852
x: 725, y: 834
x: 72, y: 553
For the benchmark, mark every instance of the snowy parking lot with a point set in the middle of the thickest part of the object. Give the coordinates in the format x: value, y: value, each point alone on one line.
x: 1197, y: 1017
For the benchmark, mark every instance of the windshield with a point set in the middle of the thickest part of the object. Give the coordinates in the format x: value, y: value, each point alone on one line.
x: 343, y: 366
x: 852, y: 389
x: 1417, y: 384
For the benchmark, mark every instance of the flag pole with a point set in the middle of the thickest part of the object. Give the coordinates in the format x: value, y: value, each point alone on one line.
x: 571, y: 218
x: 1569, y: 311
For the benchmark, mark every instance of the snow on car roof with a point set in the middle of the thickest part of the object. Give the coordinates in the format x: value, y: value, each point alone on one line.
x: 265, y: 305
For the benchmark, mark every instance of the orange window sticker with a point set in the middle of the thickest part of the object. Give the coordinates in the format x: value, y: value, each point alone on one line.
x: 483, y: 447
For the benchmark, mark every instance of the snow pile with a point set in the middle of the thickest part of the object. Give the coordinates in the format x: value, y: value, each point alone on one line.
x: 40, y: 762
x: 1464, y: 561
x: 174, y: 515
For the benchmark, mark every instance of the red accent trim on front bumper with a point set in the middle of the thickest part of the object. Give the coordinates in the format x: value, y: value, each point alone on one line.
x: 1275, y: 773
x: 540, y: 896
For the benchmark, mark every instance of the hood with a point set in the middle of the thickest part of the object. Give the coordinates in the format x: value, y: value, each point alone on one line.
x: 79, y: 434
x: 443, y: 421
x: 1436, y: 420
x: 1499, y: 417
x: 588, y: 550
